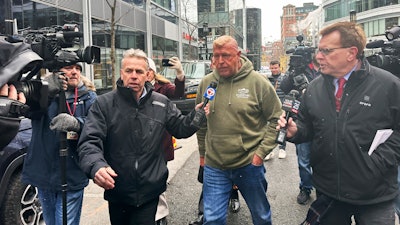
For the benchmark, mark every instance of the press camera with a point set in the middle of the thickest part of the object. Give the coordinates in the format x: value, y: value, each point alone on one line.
x: 57, y: 46
x: 300, y: 57
x: 389, y: 56
x: 21, y: 59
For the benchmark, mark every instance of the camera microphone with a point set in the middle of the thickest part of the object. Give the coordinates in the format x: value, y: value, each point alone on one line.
x: 200, y: 115
x: 290, y: 105
x: 375, y: 44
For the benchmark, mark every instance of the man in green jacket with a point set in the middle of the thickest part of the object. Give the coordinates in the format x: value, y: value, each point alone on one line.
x: 239, y: 133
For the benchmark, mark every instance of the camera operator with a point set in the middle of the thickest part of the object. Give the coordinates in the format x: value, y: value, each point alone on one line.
x: 42, y: 164
x: 303, y: 149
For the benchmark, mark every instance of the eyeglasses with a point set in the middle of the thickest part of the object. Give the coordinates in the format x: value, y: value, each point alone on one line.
x: 225, y: 57
x: 327, y: 51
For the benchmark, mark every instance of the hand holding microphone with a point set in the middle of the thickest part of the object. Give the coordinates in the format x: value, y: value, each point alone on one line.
x: 209, y: 94
x: 290, y: 105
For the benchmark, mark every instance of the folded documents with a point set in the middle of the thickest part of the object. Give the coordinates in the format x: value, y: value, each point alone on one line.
x: 380, y: 137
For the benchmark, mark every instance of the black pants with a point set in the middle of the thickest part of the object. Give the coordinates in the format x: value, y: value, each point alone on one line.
x: 123, y: 214
x: 376, y: 214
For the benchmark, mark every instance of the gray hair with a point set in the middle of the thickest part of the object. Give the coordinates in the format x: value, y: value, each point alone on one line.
x: 135, y: 53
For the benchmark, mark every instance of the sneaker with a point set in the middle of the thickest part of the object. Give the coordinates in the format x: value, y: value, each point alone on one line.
x: 282, y: 154
x: 269, y: 156
x: 303, y: 196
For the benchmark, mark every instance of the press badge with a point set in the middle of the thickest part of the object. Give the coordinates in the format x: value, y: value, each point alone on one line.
x: 72, y: 135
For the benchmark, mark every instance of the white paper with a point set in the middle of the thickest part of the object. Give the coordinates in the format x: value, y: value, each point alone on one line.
x: 380, y: 137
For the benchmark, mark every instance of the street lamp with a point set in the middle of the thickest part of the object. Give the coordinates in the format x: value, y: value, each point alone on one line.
x: 353, y: 16
x: 205, y: 32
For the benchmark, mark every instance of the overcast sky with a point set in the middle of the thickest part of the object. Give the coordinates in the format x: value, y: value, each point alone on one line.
x: 271, y: 12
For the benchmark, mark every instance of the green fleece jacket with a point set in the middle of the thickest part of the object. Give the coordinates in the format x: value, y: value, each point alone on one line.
x: 242, y: 120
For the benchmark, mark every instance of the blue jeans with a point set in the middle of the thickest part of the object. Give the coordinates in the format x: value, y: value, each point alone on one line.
x: 217, y: 185
x: 52, y: 206
x: 303, y: 151
x: 397, y: 200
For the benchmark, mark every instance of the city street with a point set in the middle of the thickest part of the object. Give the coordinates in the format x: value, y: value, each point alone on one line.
x: 183, y: 191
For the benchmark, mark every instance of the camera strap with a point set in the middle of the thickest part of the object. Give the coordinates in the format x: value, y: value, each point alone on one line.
x: 75, y: 103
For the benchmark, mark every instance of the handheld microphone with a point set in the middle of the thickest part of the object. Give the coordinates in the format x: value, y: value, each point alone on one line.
x: 291, y: 106
x: 200, y: 115
x: 209, y: 93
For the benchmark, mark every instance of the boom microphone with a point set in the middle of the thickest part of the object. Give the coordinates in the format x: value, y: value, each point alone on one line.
x: 200, y: 115
x: 290, y: 105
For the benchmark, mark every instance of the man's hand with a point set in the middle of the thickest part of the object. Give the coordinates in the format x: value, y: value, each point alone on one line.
x: 11, y: 92
x: 257, y: 161
x: 104, y: 178
x: 206, y: 108
x: 176, y: 64
x: 56, y: 83
x: 64, y: 122
x: 291, y: 128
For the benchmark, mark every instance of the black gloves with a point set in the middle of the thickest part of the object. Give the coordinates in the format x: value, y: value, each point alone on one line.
x: 64, y: 122
x: 55, y: 83
x: 200, y: 174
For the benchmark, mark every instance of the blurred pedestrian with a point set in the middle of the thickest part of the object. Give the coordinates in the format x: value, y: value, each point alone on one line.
x: 341, y: 112
x: 239, y: 133
x: 121, y: 144
x: 276, y: 79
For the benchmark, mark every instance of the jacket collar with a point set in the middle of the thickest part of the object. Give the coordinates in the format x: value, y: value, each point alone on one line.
x: 128, y: 93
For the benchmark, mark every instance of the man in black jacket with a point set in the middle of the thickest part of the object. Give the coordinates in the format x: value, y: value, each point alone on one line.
x: 120, y: 147
x: 342, y: 121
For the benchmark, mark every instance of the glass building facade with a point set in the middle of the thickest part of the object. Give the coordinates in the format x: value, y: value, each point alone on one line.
x: 152, y: 26
x: 221, y: 17
x: 376, y: 16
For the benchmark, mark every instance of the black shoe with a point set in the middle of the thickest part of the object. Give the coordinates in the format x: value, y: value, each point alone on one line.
x: 162, y: 221
x: 303, y: 196
x: 197, y: 221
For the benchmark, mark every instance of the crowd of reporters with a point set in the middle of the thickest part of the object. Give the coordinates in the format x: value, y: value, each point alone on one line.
x: 332, y: 136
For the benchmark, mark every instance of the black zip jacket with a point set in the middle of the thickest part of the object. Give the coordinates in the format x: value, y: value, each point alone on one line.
x: 127, y: 135
x: 342, y: 168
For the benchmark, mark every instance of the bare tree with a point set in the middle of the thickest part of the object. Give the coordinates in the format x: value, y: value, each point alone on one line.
x: 191, y: 23
x: 113, y: 29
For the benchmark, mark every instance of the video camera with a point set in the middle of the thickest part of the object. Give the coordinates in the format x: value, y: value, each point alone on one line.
x: 57, y: 46
x: 22, y: 57
x: 298, y: 62
x: 389, y: 57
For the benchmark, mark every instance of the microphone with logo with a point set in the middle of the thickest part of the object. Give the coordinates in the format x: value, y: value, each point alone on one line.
x: 291, y: 106
x: 200, y: 115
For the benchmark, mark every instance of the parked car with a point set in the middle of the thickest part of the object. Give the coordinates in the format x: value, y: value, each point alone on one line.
x: 194, y: 72
x: 19, y: 203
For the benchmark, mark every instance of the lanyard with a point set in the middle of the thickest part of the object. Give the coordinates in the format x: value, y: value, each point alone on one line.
x: 75, y: 103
